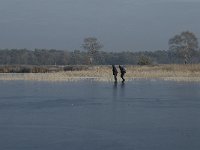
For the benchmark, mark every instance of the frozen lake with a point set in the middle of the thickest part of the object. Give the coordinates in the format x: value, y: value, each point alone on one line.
x: 86, y: 115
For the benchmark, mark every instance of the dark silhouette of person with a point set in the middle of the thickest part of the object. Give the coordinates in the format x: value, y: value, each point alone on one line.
x: 123, y: 71
x: 115, y: 72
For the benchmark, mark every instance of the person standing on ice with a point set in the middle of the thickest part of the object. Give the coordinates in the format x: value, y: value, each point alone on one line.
x: 123, y: 71
x: 115, y: 72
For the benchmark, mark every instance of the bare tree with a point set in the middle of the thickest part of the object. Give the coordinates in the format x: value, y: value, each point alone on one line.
x: 92, y: 45
x: 184, y: 45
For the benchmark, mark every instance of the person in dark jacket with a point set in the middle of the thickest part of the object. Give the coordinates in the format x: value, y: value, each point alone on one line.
x: 123, y: 71
x: 115, y: 72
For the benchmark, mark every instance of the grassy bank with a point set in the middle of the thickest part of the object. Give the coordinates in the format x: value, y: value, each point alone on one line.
x: 104, y: 73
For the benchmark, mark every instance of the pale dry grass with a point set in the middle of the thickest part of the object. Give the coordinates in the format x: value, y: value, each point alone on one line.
x: 104, y: 73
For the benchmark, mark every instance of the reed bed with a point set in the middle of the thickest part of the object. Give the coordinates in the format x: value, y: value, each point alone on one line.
x: 190, y: 72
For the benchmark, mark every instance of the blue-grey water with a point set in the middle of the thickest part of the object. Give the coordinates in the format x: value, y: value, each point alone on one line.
x: 86, y: 115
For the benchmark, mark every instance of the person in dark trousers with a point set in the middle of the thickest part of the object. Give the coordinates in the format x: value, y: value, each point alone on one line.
x: 115, y: 72
x: 123, y: 71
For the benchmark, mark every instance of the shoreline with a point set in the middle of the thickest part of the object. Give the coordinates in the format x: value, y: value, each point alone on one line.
x: 104, y: 73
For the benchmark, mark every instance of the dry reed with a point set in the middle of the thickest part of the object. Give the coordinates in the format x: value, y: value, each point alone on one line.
x: 189, y: 72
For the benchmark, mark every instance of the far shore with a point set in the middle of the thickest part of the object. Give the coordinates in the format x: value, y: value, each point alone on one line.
x: 172, y: 72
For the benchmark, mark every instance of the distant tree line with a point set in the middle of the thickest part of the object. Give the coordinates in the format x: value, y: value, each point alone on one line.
x: 183, y: 48
x: 59, y: 57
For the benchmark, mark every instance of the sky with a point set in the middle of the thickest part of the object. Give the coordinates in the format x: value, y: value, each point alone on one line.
x: 120, y: 25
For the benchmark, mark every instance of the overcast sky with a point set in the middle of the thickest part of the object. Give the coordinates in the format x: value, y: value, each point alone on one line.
x: 120, y: 25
